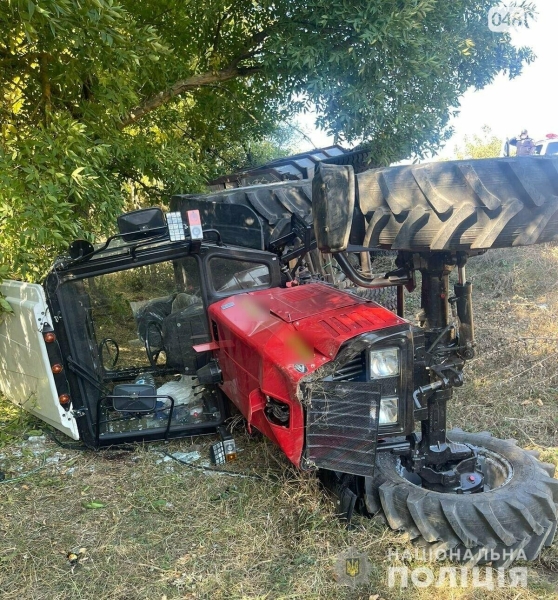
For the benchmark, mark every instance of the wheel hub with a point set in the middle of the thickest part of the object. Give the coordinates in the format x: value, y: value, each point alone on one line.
x: 455, y: 480
x: 481, y: 472
x: 448, y: 467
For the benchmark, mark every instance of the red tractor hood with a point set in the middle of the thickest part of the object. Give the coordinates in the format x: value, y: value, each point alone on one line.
x: 320, y: 317
x: 267, y: 341
x: 326, y: 317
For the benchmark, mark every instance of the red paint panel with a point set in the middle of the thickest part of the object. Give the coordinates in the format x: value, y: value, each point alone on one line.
x: 293, y: 304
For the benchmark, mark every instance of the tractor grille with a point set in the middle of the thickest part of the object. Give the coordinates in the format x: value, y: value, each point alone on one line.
x: 351, y: 370
x: 342, y: 426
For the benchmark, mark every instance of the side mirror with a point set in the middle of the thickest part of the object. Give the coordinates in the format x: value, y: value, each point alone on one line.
x: 80, y: 248
x: 333, y: 203
x: 134, y: 397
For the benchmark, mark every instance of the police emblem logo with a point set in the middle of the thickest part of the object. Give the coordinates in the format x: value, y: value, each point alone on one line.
x: 352, y: 568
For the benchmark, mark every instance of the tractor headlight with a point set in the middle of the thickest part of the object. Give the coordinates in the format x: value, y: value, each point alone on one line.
x: 384, y: 363
x: 388, y: 410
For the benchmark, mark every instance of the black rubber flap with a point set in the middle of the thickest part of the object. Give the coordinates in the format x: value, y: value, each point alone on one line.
x: 342, y: 426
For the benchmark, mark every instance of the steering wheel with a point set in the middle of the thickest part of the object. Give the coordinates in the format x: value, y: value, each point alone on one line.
x: 153, y: 342
x: 109, y: 349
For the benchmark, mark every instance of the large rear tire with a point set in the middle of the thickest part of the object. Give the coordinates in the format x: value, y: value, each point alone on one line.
x: 461, y: 205
x: 514, y: 519
x: 387, y: 296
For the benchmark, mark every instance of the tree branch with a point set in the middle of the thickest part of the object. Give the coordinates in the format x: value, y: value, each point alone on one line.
x: 203, y: 79
x: 185, y: 85
x: 45, y: 85
x: 301, y: 132
x: 217, y: 36
x: 236, y: 100
x: 149, y: 189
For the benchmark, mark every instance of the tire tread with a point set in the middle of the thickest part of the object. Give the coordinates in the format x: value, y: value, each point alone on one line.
x: 463, y: 205
x: 515, y: 520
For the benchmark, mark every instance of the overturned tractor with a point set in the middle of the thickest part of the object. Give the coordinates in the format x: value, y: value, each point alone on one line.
x: 259, y: 297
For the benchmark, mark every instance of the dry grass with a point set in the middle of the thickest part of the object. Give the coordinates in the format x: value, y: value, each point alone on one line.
x: 512, y: 384
x: 166, y: 530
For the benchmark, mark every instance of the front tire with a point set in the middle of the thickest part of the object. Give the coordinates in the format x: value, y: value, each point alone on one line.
x: 514, y: 519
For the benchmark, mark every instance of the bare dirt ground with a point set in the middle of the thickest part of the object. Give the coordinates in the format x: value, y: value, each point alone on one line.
x: 152, y: 528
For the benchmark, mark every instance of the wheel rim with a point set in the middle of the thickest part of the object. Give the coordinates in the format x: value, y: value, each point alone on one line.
x: 497, y: 470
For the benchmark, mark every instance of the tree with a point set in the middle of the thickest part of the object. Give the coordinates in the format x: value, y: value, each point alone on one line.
x: 95, y: 95
x: 486, y: 145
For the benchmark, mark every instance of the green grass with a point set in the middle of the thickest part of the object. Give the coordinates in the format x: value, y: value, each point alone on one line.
x: 15, y: 423
x: 164, y: 530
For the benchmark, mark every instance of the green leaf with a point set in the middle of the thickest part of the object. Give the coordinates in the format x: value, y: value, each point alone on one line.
x: 94, y: 504
x: 76, y: 172
x: 5, y: 306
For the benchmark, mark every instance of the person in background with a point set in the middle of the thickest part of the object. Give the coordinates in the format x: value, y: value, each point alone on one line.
x: 525, y: 146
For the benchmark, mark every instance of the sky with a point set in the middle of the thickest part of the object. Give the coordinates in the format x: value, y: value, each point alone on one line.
x: 529, y: 101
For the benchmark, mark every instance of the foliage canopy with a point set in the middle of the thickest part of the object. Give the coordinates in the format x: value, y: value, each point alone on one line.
x: 483, y: 145
x: 96, y: 96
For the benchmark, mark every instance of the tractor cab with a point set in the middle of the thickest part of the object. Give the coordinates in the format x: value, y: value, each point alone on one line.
x: 115, y: 345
